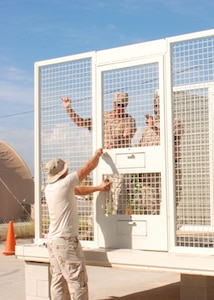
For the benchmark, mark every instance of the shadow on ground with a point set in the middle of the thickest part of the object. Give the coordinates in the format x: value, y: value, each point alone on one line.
x: 167, y: 292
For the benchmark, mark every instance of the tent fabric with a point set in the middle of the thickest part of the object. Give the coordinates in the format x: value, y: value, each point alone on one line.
x: 16, y: 184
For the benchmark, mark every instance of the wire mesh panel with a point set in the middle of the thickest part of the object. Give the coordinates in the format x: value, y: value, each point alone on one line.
x: 192, y: 76
x: 60, y: 136
x: 139, y: 83
x: 137, y: 194
x: 132, y: 193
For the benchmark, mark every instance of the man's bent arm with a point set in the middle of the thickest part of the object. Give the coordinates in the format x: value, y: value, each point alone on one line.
x: 85, y: 190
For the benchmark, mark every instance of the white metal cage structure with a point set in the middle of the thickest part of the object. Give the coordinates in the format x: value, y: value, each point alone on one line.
x: 158, y: 148
x: 192, y: 81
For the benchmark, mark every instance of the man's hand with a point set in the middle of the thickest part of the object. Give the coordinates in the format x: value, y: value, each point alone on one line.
x: 66, y: 102
x: 127, y: 132
x: 105, y: 185
x: 99, y: 152
x: 149, y: 120
x: 86, y: 190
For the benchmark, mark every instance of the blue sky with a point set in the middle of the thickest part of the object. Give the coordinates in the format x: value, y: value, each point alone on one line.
x: 34, y: 30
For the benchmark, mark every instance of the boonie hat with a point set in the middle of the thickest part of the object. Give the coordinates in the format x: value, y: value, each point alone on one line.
x: 121, y: 98
x: 55, y: 168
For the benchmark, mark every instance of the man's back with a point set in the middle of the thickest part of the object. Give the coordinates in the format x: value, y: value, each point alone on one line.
x: 62, y: 207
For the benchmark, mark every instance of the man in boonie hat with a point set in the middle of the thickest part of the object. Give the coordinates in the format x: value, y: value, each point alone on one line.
x: 119, y: 128
x: 65, y: 251
x: 55, y: 169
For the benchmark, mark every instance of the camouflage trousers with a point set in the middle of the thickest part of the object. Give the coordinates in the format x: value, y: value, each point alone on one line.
x: 68, y: 272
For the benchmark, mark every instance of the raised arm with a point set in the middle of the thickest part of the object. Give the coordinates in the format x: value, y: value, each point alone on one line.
x: 79, y: 121
x: 90, y: 165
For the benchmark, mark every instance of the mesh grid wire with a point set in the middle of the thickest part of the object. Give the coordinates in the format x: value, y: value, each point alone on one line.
x: 133, y: 193
x: 192, y: 72
x: 140, y: 82
x: 139, y: 194
x: 60, y: 137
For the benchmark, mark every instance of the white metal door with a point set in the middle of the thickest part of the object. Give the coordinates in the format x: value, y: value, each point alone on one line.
x: 133, y: 214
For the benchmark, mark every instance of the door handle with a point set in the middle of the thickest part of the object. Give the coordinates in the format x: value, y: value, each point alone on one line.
x: 132, y: 223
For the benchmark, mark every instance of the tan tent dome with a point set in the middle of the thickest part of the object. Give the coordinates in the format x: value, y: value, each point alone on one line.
x: 16, y: 185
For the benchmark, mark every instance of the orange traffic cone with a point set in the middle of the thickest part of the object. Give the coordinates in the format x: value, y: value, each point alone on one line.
x: 11, y: 241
